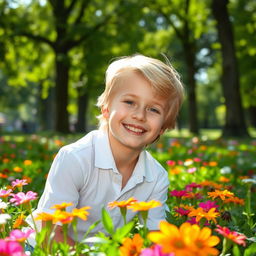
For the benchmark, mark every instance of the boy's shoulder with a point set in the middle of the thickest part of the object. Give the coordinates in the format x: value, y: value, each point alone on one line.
x: 83, y: 144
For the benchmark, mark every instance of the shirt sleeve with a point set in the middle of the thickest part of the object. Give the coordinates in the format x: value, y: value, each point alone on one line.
x: 64, y: 181
x: 158, y: 214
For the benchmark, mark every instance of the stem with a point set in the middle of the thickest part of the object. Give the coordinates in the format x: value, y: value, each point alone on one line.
x: 123, y: 211
x: 225, y: 246
x: 32, y: 217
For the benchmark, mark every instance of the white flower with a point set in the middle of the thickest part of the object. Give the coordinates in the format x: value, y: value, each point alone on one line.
x: 4, y: 217
x: 225, y: 170
x: 3, y: 205
x: 249, y: 181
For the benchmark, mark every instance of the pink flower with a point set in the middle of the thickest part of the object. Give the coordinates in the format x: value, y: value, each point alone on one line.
x: 178, y: 193
x: 19, y: 236
x: 19, y: 183
x: 197, y: 159
x: 193, y: 221
x: 171, y: 162
x: 155, y: 251
x: 232, y: 235
x: 21, y: 198
x: 192, y: 185
x: 208, y: 205
x: 11, y: 248
x: 5, y: 193
x: 191, y: 170
x: 182, y: 211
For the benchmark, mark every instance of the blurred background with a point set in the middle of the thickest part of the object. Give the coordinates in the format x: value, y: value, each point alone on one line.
x: 54, y: 53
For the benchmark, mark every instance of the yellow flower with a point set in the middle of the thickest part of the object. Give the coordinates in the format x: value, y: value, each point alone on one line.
x: 188, y: 240
x: 132, y: 246
x: 61, y: 206
x: 224, y: 179
x: 27, y: 162
x: 17, y: 169
x: 122, y: 204
x: 144, y: 206
x: 63, y: 217
x: 81, y: 213
x: 223, y: 194
x: 44, y: 216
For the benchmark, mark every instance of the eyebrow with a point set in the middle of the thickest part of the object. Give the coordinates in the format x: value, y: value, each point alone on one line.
x: 135, y: 96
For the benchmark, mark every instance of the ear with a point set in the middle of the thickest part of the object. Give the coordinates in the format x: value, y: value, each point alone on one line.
x: 105, y: 112
x: 162, y: 131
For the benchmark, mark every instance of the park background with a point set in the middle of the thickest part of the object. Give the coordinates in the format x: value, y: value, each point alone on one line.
x: 53, y: 55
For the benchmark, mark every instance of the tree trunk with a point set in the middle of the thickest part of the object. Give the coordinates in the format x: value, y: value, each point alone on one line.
x: 252, y: 115
x: 62, y: 77
x: 82, y: 110
x: 189, y: 50
x: 234, y: 121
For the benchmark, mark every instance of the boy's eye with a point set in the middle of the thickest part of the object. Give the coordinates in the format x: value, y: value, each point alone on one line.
x: 129, y: 102
x: 154, y: 110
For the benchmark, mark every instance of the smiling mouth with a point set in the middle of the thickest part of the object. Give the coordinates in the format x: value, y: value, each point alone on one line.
x: 134, y: 129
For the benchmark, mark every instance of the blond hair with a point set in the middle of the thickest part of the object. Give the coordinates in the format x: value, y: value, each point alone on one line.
x: 163, y: 78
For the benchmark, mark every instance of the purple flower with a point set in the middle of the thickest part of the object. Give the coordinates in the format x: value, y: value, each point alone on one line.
x: 208, y: 205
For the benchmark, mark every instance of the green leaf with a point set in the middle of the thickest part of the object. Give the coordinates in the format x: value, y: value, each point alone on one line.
x: 236, y: 251
x: 123, y: 231
x: 251, y: 250
x: 40, y: 237
x: 107, y: 222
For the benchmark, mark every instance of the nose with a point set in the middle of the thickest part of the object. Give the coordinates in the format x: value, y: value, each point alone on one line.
x: 139, y: 114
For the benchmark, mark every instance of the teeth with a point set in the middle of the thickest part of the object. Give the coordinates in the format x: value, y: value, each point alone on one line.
x: 133, y: 128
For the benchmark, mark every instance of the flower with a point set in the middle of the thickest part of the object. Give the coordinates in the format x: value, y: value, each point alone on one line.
x: 208, y: 205
x: 225, y: 170
x: 19, y: 236
x: 19, y: 183
x: 3, y: 205
x: 192, y: 185
x: 187, y: 240
x: 61, y: 206
x: 19, y: 221
x: 11, y: 248
x: 17, y: 169
x: 22, y: 198
x: 155, y: 250
x: 44, y: 216
x: 178, y: 193
x: 5, y: 193
x: 81, y: 213
x: 199, y: 213
x: 27, y: 162
x: 131, y: 246
x: 231, y: 235
x: 122, y: 204
x: 235, y: 200
x: 180, y: 211
x: 4, y: 217
x: 63, y: 217
x: 144, y: 206
x: 222, y: 194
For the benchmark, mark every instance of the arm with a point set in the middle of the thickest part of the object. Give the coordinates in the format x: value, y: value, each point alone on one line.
x: 58, y: 235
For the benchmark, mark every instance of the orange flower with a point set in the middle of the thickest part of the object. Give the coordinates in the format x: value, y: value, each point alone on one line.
x: 132, y: 246
x: 224, y: 179
x: 19, y: 221
x: 4, y: 176
x: 44, y: 216
x: 17, y: 169
x: 207, y: 183
x: 122, y: 204
x: 221, y: 194
x: 235, y: 200
x: 213, y: 163
x: 144, y: 206
x: 27, y: 162
x: 175, y: 170
x: 27, y: 179
x: 61, y: 206
x: 6, y: 160
x: 188, y: 240
x: 81, y: 213
x: 199, y: 213
x: 63, y: 217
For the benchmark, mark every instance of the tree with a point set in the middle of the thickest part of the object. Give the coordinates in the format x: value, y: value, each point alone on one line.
x: 69, y: 23
x: 235, y: 122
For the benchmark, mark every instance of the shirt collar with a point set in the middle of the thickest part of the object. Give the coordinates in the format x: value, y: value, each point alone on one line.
x: 105, y: 160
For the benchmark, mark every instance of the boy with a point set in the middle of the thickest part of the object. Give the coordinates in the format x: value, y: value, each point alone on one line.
x: 141, y: 100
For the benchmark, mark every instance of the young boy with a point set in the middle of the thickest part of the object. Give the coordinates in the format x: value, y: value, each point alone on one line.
x: 141, y: 100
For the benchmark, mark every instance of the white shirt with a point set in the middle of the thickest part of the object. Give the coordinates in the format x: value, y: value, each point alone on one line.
x: 85, y: 174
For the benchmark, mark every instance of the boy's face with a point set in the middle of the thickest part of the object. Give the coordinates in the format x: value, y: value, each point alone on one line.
x: 135, y: 114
